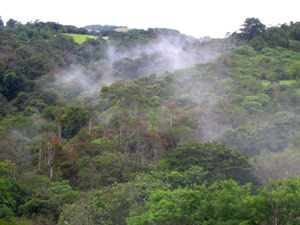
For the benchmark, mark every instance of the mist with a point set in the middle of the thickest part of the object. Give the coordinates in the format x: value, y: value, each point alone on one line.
x: 165, y: 53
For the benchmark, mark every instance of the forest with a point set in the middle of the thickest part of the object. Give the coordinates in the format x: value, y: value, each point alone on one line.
x: 106, y: 126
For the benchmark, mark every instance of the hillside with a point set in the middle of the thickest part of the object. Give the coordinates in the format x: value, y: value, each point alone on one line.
x: 149, y: 126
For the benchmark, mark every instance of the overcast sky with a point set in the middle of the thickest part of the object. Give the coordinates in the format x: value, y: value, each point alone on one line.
x: 193, y: 17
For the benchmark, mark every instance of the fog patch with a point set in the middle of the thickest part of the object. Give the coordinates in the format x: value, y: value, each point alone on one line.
x: 167, y: 53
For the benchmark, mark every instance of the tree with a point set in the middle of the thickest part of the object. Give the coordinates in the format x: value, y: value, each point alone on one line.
x: 1, y: 22
x: 111, y: 204
x: 11, y: 23
x: 190, y: 177
x: 106, y: 169
x: 221, y: 203
x: 258, y: 43
x: 10, y: 197
x: 275, y: 165
x: 8, y: 169
x: 36, y: 66
x: 176, y: 135
x: 49, y: 205
x: 12, y: 84
x: 219, y: 161
x: 295, y: 31
x: 278, y: 203
x: 251, y: 28
x: 51, y: 145
x: 172, y: 110
x: 54, y: 113
x: 75, y: 118
x: 8, y: 144
x: 277, y: 36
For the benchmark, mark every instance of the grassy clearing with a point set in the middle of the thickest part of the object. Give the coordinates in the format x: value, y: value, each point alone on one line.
x: 81, y: 38
x: 287, y: 82
x: 105, y: 38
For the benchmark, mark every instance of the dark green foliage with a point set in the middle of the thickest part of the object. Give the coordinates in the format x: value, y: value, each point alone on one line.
x: 112, y: 204
x: 221, y: 203
x: 4, y: 108
x: 36, y: 66
x: 49, y: 205
x: 49, y: 97
x: 105, y: 170
x: 295, y: 31
x: 219, y: 161
x: 12, y: 84
x: 2, y: 70
x: 10, y: 197
x: 7, y: 220
x: 11, y: 23
x: 193, y: 175
x: 252, y: 27
x: 278, y: 36
x: 75, y: 118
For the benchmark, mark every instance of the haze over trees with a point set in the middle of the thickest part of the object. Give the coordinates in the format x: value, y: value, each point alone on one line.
x: 149, y: 126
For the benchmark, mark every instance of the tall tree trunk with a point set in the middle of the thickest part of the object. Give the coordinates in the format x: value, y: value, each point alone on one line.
x: 155, y: 152
x: 120, y: 133
x: 171, y: 118
x: 127, y: 140
x: 51, y: 172
x: 143, y: 157
x: 137, y: 152
x: 59, y: 130
x: 49, y: 153
x: 90, y: 126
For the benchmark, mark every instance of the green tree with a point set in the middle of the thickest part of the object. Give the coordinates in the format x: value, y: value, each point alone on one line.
x: 1, y: 22
x: 219, y: 161
x: 193, y: 175
x: 10, y: 197
x: 75, y: 118
x: 106, y: 169
x: 7, y: 169
x: 295, y: 31
x: 251, y: 28
x: 50, y: 204
x: 221, y: 203
x: 112, y: 204
x: 36, y: 66
x: 12, y: 85
x: 11, y: 23
x: 278, y: 203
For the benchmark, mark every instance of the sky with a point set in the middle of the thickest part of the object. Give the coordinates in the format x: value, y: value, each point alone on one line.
x: 198, y: 18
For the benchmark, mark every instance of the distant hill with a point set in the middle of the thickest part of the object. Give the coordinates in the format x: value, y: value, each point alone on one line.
x: 103, y: 28
x: 164, y: 31
x: 122, y: 29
